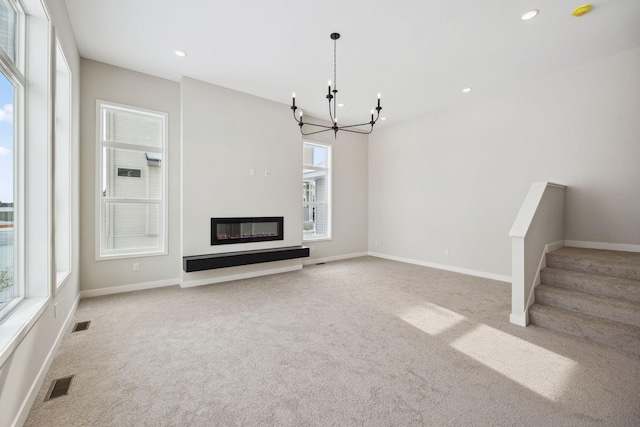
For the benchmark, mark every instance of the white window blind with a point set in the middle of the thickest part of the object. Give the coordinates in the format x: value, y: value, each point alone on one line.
x: 8, y: 18
x: 132, y: 185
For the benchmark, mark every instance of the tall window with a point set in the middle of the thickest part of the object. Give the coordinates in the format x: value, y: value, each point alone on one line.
x: 11, y: 86
x: 132, y: 193
x: 316, y: 191
x: 62, y: 156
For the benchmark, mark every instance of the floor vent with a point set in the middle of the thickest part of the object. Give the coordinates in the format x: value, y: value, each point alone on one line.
x: 81, y: 326
x: 59, y: 388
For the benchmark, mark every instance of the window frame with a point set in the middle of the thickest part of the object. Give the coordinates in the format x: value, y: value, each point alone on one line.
x: 13, y: 70
x: 329, y: 174
x: 62, y: 170
x: 33, y: 202
x: 163, y: 231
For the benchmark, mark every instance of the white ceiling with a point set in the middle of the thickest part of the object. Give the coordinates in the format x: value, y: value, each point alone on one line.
x: 419, y: 54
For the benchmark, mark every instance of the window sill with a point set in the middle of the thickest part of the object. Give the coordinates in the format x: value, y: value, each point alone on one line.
x: 130, y: 255
x: 61, y: 279
x: 316, y: 239
x: 18, y: 324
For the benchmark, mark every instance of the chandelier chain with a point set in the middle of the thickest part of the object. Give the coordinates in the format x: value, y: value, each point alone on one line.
x: 335, y: 78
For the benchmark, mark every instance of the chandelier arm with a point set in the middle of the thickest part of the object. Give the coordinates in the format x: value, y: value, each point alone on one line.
x: 318, y: 126
x: 318, y: 131
x: 353, y: 126
x: 358, y: 131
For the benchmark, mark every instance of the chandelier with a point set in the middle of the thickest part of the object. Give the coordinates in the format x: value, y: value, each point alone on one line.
x: 332, y: 97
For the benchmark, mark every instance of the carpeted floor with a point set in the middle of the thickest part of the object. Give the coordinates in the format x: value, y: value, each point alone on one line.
x: 360, y: 342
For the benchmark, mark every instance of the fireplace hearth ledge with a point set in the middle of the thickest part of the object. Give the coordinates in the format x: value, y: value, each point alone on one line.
x: 194, y: 263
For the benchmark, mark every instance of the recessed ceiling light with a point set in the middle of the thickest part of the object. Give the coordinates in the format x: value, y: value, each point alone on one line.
x: 383, y: 118
x: 529, y: 15
x: 340, y: 105
x: 466, y: 90
x: 180, y: 53
x: 582, y: 10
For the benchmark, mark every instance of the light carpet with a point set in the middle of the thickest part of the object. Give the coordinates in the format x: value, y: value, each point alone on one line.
x: 363, y: 342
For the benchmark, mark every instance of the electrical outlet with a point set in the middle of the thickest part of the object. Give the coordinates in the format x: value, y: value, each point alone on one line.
x: 446, y: 252
x: 375, y: 243
x: 136, y: 266
x: 267, y: 173
x: 252, y: 172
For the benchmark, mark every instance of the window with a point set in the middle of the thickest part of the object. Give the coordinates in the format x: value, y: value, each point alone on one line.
x: 316, y: 191
x: 11, y: 86
x: 62, y: 173
x: 132, y: 194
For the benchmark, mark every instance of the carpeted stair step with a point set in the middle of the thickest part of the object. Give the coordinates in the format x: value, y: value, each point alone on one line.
x: 594, y: 284
x: 625, y: 265
x: 614, y: 334
x: 613, y: 309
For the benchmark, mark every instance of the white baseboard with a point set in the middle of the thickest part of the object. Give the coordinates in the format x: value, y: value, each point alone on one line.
x: 232, y: 277
x: 604, y: 246
x: 555, y: 245
x: 128, y: 288
x: 483, y: 274
x: 311, y: 261
x: 518, y: 319
x: 23, y: 413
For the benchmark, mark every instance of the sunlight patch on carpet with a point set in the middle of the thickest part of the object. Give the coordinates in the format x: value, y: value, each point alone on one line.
x: 540, y: 370
x: 431, y: 318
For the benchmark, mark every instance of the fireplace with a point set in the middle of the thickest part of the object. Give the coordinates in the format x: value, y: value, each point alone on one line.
x: 226, y: 231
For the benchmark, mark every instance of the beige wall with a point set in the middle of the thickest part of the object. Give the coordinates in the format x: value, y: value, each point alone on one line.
x: 225, y: 134
x: 350, y: 197
x: 455, y: 178
x: 109, y: 83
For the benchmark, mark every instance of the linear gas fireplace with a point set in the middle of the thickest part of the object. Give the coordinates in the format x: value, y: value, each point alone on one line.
x: 225, y: 231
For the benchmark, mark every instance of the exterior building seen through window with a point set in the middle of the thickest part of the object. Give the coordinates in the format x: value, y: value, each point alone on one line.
x: 132, y: 192
x: 316, y: 191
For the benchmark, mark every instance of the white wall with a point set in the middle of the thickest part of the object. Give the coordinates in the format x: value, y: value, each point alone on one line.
x: 455, y: 178
x: 225, y: 134
x: 109, y: 83
x: 350, y: 197
x: 21, y: 375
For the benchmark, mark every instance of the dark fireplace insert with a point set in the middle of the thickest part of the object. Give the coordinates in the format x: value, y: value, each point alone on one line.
x: 225, y: 231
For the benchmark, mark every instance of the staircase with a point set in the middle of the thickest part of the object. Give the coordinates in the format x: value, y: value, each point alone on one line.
x: 592, y: 294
